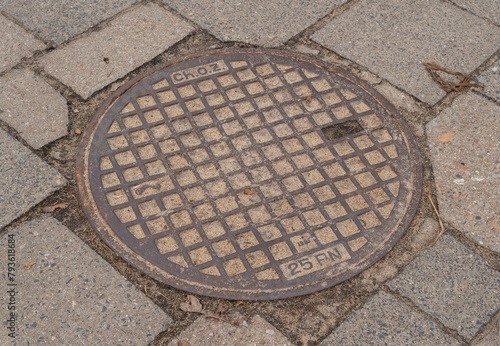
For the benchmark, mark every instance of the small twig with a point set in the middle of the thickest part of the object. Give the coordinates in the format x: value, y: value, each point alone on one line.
x: 447, y: 85
x: 433, y: 241
x: 496, y: 268
x: 164, y: 296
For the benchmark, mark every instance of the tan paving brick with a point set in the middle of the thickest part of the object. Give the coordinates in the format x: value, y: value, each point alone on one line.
x: 25, y: 179
x: 68, y: 295
x: 266, y: 23
x: 210, y: 332
x: 393, y: 38
x: 33, y: 108
x: 463, y: 141
x: 92, y: 62
x: 15, y: 43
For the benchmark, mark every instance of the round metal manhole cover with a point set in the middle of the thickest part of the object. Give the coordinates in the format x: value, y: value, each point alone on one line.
x: 249, y: 174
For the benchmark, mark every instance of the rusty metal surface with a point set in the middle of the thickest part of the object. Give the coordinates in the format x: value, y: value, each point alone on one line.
x: 249, y: 174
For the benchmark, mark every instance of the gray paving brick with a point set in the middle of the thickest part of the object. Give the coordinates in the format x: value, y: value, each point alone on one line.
x: 490, y: 79
x: 92, y: 62
x: 485, y: 8
x: 490, y: 335
x: 33, y: 108
x: 263, y: 23
x: 210, y: 332
x: 16, y: 43
x: 384, y: 320
x: 25, y: 179
x: 464, y: 145
x: 393, y: 38
x: 60, y: 20
x: 452, y: 283
x: 70, y: 295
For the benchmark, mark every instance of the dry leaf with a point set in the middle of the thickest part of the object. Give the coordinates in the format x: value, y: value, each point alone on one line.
x: 249, y: 192
x: 221, y: 309
x: 54, y: 207
x: 29, y: 265
x: 193, y: 305
x: 239, y: 321
x: 446, y: 137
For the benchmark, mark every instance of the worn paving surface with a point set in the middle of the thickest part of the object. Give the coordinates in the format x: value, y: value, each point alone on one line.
x: 490, y: 79
x: 452, y: 283
x: 25, y: 179
x: 379, y: 321
x: 70, y: 295
x: 59, y: 60
x: 126, y: 43
x: 463, y: 140
x: 262, y: 23
x: 16, y: 43
x: 33, y: 108
x: 486, y: 8
x: 61, y: 20
x: 394, y: 38
x: 212, y: 332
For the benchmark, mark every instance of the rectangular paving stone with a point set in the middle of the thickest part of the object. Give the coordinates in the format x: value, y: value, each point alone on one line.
x: 25, y: 179
x: 68, y: 295
x: 393, y: 38
x: 465, y: 151
x: 60, y: 20
x: 92, y: 62
x: 210, y: 332
x: 484, y: 8
x: 452, y: 283
x: 384, y: 320
x: 33, y: 108
x: 490, y: 335
x: 15, y: 44
x: 490, y: 79
x: 264, y: 23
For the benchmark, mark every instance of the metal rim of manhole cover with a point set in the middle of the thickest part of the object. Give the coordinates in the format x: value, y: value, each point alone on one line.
x: 249, y: 174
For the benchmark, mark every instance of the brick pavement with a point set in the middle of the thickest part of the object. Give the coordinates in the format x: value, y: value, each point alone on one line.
x: 60, y: 59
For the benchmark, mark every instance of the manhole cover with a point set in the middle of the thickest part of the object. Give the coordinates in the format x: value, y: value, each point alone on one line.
x: 249, y: 174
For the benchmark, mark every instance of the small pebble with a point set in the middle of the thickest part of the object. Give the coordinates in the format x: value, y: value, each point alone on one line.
x: 115, y: 86
x: 57, y: 155
x: 269, y: 331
